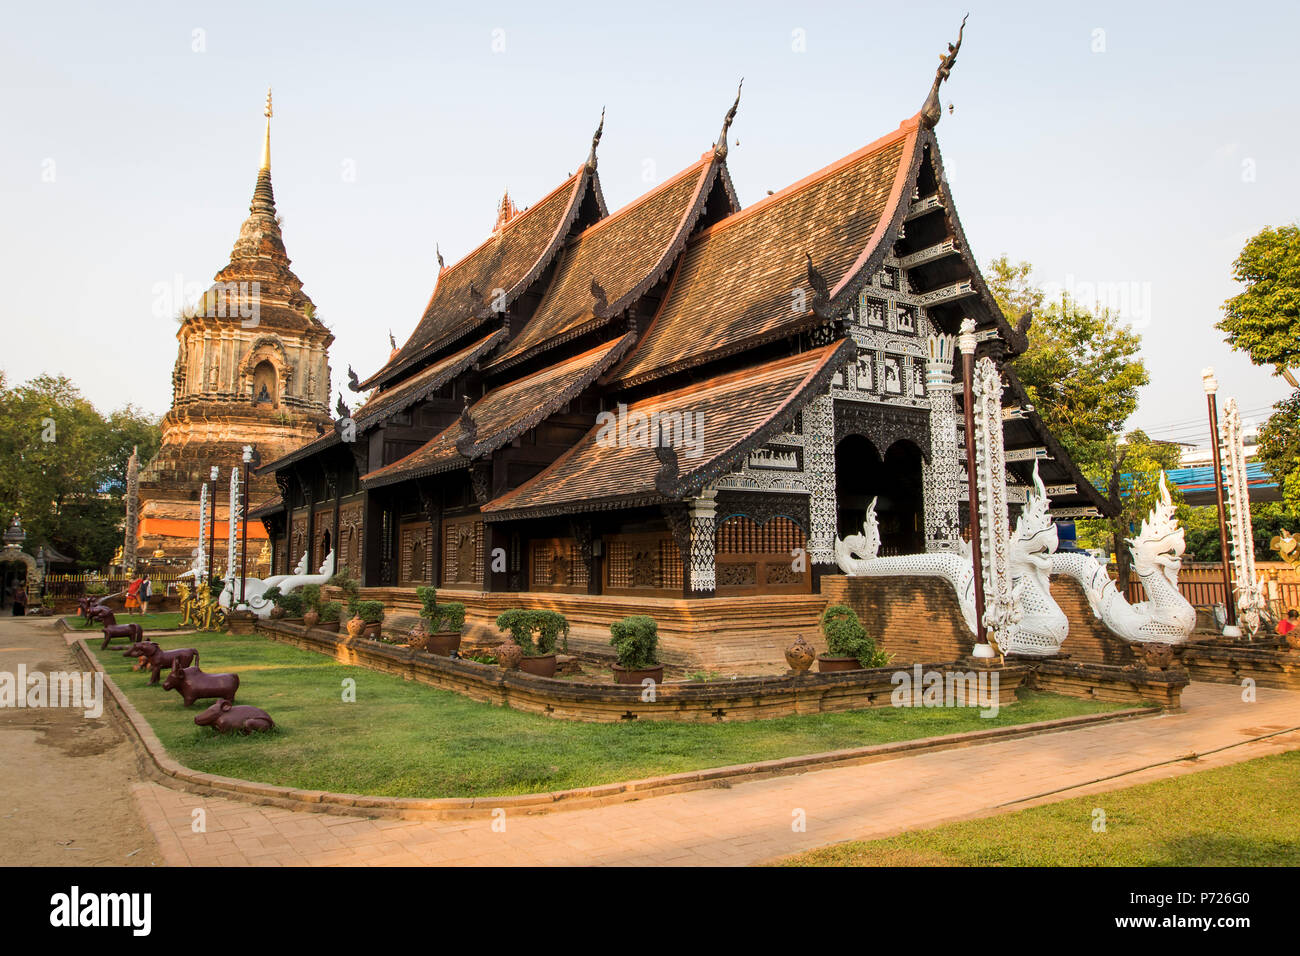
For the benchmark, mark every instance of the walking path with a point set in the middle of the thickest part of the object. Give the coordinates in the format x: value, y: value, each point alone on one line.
x: 754, y: 821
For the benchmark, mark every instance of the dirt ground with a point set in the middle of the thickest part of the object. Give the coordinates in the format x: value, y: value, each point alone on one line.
x: 65, y: 779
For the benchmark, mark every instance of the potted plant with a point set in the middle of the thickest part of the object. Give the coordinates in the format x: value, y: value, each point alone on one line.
x: 292, y: 605
x: 445, y: 622
x: 372, y: 614
x: 272, y: 594
x: 331, y: 612
x: 47, y: 605
x: 850, y: 647
x: 310, y: 604
x: 636, y: 640
x: 537, y: 633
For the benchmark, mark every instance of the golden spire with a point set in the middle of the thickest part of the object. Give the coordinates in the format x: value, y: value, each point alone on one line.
x: 266, y: 140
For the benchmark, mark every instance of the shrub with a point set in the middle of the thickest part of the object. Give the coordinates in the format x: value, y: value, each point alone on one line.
x: 330, y: 611
x: 846, y: 637
x: 310, y: 597
x: 536, y: 632
x: 449, y: 616
x: 350, y: 587
x: 636, y: 638
x: 291, y: 602
x: 370, y: 611
x: 272, y: 594
x: 96, y: 588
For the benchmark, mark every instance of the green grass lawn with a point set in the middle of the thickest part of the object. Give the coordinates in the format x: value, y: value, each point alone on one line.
x: 1246, y: 814
x: 150, y: 622
x: 401, y: 738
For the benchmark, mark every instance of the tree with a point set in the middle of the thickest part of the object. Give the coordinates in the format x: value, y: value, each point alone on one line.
x: 62, y: 466
x: 1279, y: 448
x: 1264, y: 320
x: 1082, y: 371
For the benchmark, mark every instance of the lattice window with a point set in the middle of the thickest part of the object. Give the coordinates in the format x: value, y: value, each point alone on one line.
x: 643, y: 561
x: 557, y: 563
x: 739, y: 534
x: 463, y: 551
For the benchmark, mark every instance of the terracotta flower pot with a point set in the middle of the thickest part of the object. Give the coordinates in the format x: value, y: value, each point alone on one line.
x: 331, y: 626
x: 508, y: 655
x: 355, y: 626
x: 311, y: 618
x: 826, y: 663
x: 541, y: 665
x: 800, y: 655
x: 624, y: 675
x: 373, y: 629
x: 443, y: 643
x: 277, y: 613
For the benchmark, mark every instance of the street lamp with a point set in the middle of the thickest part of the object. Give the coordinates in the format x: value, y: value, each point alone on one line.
x: 966, y: 343
x: 251, y: 460
x: 212, y: 524
x: 1230, y: 628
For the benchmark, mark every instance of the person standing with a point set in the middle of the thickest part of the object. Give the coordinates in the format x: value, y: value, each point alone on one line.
x: 133, y: 596
x: 145, y: 592
x: 20, y: 600
x: 1290, y: 623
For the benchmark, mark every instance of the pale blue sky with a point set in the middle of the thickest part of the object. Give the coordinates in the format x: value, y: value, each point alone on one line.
x: 1139, y: 169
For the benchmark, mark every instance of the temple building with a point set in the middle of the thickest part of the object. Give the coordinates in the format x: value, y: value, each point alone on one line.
x: 686, y: 397
x: 252, y: 368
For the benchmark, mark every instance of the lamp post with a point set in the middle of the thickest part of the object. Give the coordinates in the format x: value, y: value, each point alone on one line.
x: 251, y: 460
x: 1230, y: 628
x: 212, y: 524
x: 966, y: 344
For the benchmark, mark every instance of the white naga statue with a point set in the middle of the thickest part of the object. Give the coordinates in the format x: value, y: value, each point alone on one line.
x: 255, y: 588
x: 1038, y: 626
x: 1165, y: 617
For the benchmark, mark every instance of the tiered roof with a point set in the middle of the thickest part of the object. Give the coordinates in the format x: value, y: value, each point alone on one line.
x: 618, y: 258
x: 509, y: 260
x: 734, y: 413
x: 744, y: 281
x: 502, y: 415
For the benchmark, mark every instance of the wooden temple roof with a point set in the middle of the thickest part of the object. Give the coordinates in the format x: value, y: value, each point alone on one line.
x: 736, y: 285
x: 736, y: 413
x: 624, y: 254
x: 423, y: 383
x: 501, y: 415
x: 509, y: 260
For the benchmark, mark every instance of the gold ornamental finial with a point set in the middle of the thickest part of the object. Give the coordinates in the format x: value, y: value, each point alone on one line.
x: 266, y: 140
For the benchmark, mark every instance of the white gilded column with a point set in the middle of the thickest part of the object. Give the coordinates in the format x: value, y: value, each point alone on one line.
x: 819, y: 470
x: 942, y: 478
x: 703, y: 567
x: 1000, y: 608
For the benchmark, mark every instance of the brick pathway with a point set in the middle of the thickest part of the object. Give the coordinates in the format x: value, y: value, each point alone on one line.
x: 750, y: 822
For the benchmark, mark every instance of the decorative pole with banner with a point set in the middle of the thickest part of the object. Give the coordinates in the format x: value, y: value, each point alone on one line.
x: 1250, y: 592
x: 1001, y: 608
x: 232, y: 530
x: 1230, y: 628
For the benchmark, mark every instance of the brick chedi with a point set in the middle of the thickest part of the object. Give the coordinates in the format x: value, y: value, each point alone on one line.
x: 252, y: 367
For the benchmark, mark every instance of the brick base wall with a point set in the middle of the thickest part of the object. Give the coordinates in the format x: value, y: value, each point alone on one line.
x: 915, y: 619
x: 1090, y: 641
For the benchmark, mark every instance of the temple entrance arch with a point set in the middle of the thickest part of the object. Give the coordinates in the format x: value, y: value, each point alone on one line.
x: 894, y: 480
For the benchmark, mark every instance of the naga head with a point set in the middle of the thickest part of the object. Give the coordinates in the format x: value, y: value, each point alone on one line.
x: 855, y: 549
x: 1035, y: 539
x: 1160, y: 543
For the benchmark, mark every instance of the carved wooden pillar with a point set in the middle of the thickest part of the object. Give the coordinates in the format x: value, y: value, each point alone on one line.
x: 819, y: 457
x: 701, y: 571
x: 431, y: 503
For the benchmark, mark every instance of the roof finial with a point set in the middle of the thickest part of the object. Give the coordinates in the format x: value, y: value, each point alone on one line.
x: 595, y: 141
x: 720, y: 147
x: 266, y: 140
x: 438, y: 252
x: 930, y: 110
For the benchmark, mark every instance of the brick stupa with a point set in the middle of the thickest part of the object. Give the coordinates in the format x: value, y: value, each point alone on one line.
x: 252, y: 368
